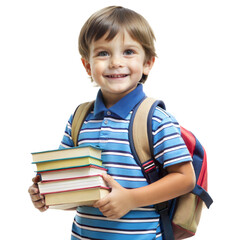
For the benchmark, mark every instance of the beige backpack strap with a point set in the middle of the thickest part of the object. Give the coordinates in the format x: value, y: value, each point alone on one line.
x: 140, y: 130
x: 78, y: 118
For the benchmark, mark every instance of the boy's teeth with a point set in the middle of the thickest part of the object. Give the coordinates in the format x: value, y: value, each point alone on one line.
x: 117, y: 76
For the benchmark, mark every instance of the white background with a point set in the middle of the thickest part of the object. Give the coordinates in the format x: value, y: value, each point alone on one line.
x: 42, y: 81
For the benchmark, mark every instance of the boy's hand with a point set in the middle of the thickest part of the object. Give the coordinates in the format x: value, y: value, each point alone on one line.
x: 37, y: 199
x: 118, y: 202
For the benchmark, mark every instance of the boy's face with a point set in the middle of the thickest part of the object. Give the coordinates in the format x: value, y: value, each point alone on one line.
x: 117, y: 65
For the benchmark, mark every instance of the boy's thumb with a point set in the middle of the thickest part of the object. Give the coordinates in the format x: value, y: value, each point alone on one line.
x: 110, y: 181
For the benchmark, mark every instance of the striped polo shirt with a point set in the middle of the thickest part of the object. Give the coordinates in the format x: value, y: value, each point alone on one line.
x: 108, y: 129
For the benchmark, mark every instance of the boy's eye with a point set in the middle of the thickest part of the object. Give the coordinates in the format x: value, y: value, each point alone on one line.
x: 128, y: 52
x: 103, y: 54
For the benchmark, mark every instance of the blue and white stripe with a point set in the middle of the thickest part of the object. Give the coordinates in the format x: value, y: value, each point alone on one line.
x: 169, y: 147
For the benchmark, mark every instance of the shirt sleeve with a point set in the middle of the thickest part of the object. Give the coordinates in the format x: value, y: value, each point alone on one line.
x: 169, y: 147
x: 67, y: 141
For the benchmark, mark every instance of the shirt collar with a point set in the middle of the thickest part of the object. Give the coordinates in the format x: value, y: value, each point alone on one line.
x: 123, y: 106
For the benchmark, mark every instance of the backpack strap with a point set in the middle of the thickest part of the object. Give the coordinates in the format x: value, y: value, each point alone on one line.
x: 141, y: 142
x: 140, y: 132
x: 79, y: 116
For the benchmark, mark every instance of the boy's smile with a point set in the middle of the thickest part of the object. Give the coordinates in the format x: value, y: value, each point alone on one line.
x: 116, y: 76
x: 117, y: 65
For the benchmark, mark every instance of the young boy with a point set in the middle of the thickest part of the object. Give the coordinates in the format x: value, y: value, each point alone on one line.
x: 117, y: 49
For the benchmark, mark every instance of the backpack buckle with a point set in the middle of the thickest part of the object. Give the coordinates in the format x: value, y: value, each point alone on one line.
x: 162, y: 207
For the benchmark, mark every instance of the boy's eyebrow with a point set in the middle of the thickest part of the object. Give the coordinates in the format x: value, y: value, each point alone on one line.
x: 132, y: 46
x: 95, y: 49
x: 125, y: 46
x: 99, y: 47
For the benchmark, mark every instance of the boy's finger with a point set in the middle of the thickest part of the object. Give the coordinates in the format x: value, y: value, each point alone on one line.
x: 39, y: 204
x: 36, y: 197
x: 105, y: 208
x: 102, y: 202
x: 107, y: 213
x: 33, y: 190
x: 36, y: 179
x: 43, y: 209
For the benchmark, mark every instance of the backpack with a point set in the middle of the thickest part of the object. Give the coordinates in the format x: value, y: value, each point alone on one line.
x: 179, y: 217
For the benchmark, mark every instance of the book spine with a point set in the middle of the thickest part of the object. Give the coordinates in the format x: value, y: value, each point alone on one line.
x: 75, y: 167
x: 66, y: 179
x: 77, y: 189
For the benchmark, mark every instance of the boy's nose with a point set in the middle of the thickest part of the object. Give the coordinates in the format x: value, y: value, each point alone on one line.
x: 115, y: 62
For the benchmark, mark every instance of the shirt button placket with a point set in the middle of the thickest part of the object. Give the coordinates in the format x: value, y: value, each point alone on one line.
x: 108, y: 114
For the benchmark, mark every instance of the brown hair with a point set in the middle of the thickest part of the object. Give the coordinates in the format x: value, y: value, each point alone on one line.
x: 111, y: 20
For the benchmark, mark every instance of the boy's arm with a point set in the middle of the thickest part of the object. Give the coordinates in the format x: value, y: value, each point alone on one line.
x: 180, y: 180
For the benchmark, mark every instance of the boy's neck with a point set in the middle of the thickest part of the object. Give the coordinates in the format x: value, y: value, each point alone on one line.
x: 110, y: 99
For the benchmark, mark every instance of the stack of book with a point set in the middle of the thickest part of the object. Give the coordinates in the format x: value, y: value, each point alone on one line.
x: 71, y: 177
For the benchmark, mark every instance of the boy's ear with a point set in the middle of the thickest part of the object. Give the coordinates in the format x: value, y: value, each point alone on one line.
x: 148, y: 65
x: 87, y: 66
